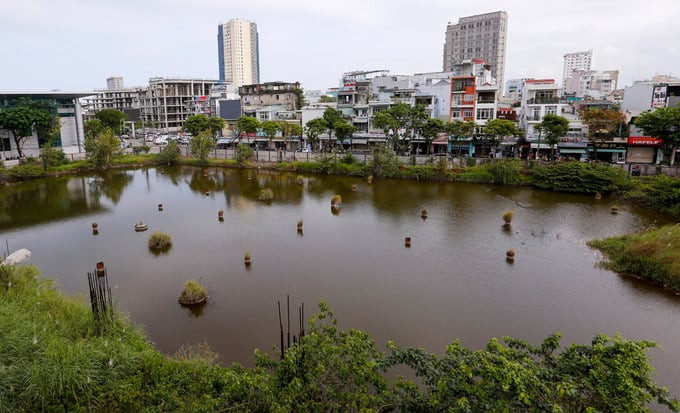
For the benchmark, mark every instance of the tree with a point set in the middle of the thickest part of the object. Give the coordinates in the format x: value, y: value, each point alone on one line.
x: 93, y: 128
x: 602, y: 124
x: 101, y: 149
x: 430, y: 130
x: 112, y: 118
x: 394, y: 122
x: 497, y: 129
x: 553, y: 127
x: 24, y: 116
x: 665, y: 124
x: 244, y: 153
x: 460, y: 129
x: 202, y: 144
x: 313, y: 129
x: 246, y: 124
x: 331, y: 117
x: 215, y: 125
x: 196, y: 124
x: 269, y: 128
x: 343, y: 130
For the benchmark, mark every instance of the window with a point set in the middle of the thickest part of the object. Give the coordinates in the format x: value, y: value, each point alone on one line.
x: 550, y: 110
x: 455, y: 114
x: 469, y: 98
x: 467, y: 113
x: 485, y: 113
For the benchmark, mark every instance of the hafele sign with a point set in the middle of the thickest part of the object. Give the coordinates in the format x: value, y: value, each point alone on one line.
x: 644, y: 141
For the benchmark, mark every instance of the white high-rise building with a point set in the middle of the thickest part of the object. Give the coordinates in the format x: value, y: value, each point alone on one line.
x: 575, y: 61
x: 482, y: 36
x: 238, y: 52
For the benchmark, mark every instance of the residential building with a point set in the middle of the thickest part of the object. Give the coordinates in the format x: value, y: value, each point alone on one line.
x: 238, y: 52
x: 483, y: 36
x: 71, y: 134
x: 591, y: 83
x: 513, y: 88
x: 256, y: 96
x: 168, y: 102
x: 575, y: 61
x: 540, y: 97
x: 473, y: 93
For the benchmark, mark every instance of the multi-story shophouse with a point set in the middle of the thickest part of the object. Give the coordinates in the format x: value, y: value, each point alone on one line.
x: 473, y: 98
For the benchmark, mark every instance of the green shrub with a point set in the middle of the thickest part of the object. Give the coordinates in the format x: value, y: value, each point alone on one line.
x: 170, y: 154
x: 26, y: 171
x: 579, y: 177
x: 244, y: 154
x: 385, y: 162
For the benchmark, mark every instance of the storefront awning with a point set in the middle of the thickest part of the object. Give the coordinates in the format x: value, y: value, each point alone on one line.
x: 359, y: 141
x: 608, y: 150
x: 572, y: 150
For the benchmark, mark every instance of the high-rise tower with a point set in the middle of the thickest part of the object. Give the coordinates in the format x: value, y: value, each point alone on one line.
x: 575, y: 61
x: 238, y: 52
x: 482, y: 36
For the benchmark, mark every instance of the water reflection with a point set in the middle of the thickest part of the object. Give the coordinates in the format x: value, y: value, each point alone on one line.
x: 195, y: 310
x: 110, y: 184
x: 44, y: 200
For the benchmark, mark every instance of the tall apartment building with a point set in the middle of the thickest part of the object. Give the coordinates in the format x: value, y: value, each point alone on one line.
x: 115, y: 82
x: 238, y: 52
x: 575, y: 61
x: 483, y: 36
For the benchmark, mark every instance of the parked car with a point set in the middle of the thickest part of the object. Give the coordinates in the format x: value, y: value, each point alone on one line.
x: 161, y: 140
x: 184, y: 141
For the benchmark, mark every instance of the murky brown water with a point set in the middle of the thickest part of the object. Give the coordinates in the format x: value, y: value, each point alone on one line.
x: 452, y: 283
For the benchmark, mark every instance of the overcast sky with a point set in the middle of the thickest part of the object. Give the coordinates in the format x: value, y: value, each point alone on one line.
x: 75, y: 45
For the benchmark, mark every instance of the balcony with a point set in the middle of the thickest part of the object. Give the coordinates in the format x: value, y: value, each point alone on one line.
x: 545, y: 101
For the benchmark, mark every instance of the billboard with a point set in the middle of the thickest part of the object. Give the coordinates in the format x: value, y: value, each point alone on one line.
x: 659, y: 93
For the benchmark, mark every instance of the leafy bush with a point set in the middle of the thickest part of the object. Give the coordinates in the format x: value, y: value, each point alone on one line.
x: 244, y: 154
x: 170, y: 154
x: 385, y: 162
x: 26, y: 171
x: 580, y: 177
x: 52, y: 157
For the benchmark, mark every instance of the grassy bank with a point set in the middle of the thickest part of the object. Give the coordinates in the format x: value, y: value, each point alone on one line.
x: 54, y: 357
x: 653, y: 255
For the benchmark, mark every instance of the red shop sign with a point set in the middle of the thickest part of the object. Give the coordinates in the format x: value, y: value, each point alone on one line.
x: 644, y: 141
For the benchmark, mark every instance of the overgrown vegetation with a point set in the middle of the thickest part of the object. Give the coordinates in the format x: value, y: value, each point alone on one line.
x: 53, y: 359
x: 170, y: 154
x: 244, y: 154
x: 579, y: 177
x: 652, y: 255
x: 660, y: 191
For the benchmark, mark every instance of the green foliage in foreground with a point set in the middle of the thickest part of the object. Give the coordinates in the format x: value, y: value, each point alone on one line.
x: 52, y: 358
x: 659, y: 191
x: 579, y: 177
x: 653, y: 255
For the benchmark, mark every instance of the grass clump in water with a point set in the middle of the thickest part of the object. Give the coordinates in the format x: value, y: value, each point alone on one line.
x: 193, y: 293
x: 266, y: 195
x: 652, y: 255
x: 159, y: 241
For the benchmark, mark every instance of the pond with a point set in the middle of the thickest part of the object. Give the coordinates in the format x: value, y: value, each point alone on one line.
x: 453, y: 282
